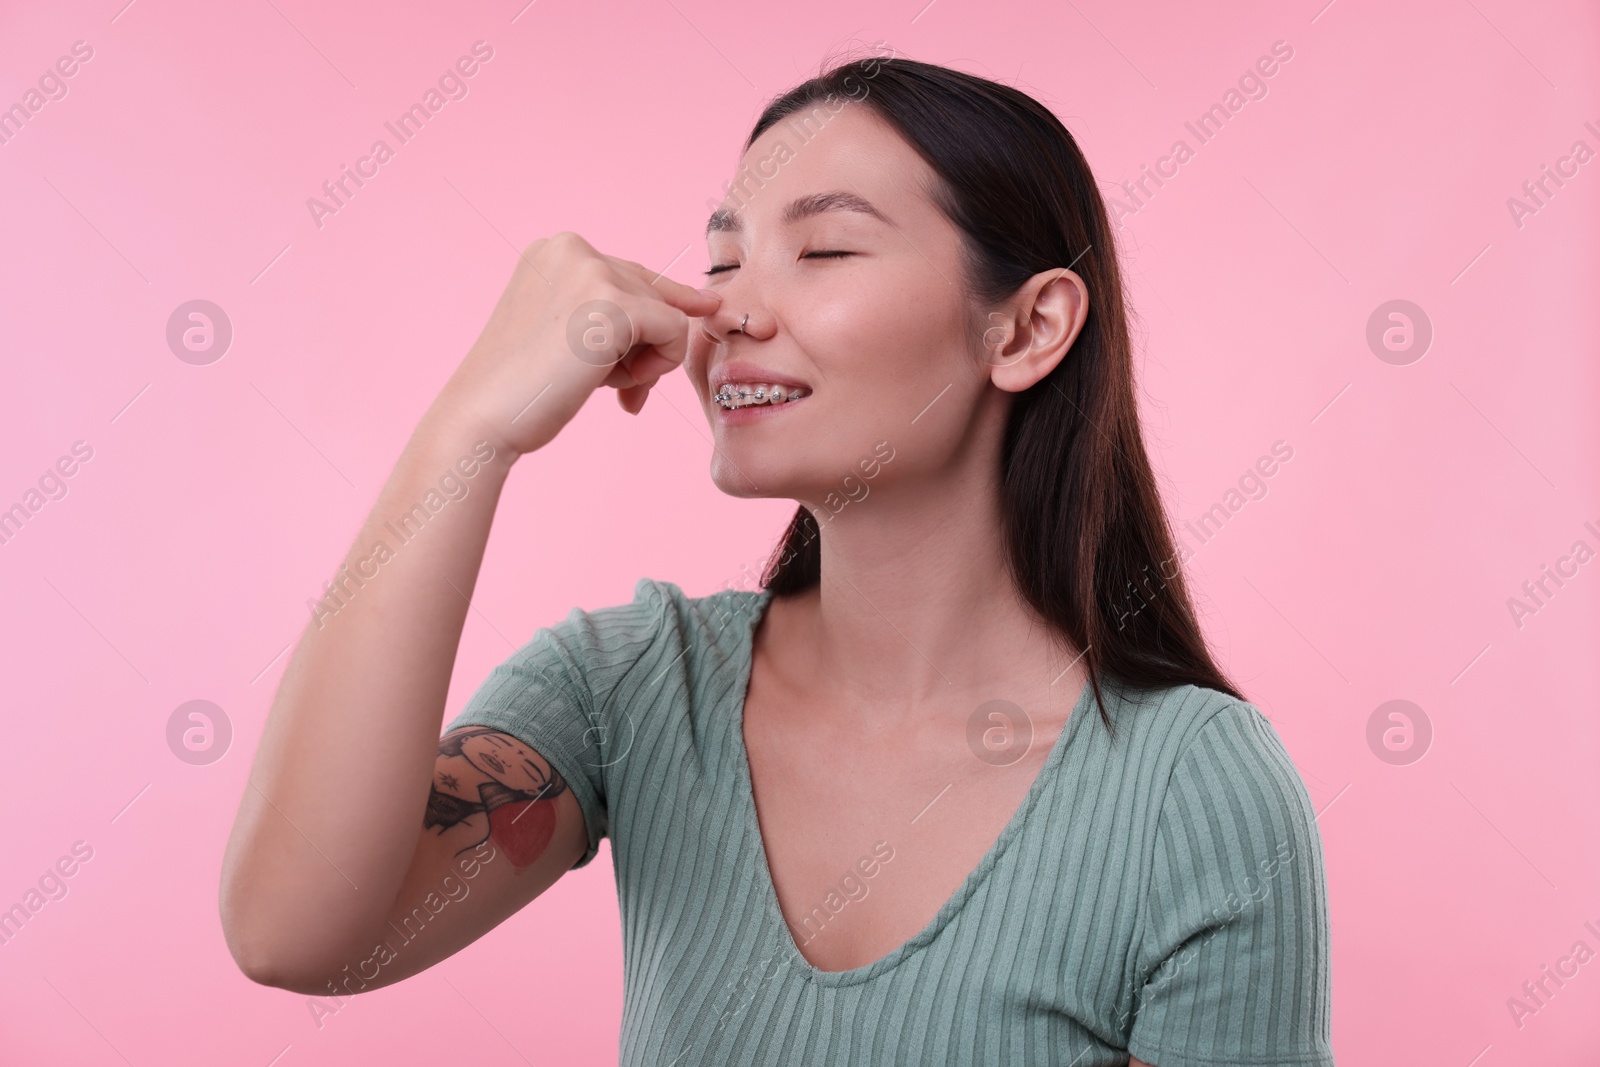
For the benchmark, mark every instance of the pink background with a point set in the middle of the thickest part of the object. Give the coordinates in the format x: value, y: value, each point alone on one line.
x: 1378, y: 566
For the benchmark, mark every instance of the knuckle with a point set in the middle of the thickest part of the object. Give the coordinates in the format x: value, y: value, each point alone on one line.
x: 570, y: 242
x: 557, y: 245
x: 594, y: 275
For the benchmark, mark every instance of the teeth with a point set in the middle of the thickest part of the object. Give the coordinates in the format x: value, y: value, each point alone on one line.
x: 745, y: 394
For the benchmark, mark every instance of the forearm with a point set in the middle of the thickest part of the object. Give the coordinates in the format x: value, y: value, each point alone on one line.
x: 330, y: 819
x: 329, y: 828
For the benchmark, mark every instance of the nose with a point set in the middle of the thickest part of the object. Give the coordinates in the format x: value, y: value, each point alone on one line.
x: 723, y: 323
x: 739, y: 313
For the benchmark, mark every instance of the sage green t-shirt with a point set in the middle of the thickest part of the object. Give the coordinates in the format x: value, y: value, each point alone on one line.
x: 1160, y: 894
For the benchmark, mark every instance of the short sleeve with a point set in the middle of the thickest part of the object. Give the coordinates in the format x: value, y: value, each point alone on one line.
x: 1234, y: 943
x: 570, y: 692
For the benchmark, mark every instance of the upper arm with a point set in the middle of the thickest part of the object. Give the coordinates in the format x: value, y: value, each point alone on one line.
x: 490, y: 786
x: 519, y: 791
x: 500, y: 827
x: 1234, y: 946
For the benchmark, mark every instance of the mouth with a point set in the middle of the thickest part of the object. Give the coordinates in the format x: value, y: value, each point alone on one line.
x: 732, y: 396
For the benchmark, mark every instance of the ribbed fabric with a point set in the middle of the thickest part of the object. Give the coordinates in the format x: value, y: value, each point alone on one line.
x: 1160, y: 894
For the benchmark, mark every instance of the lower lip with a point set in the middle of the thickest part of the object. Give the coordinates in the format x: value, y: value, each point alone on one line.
x: 754, y: 412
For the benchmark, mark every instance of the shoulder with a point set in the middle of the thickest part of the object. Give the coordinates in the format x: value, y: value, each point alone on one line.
x: 1227, y: 798
x: 703, y: 617
x: 1177, y: 713
x: 716, y: 623
x: 660, y: 625
x: 1233, y: 918
x: 1212, y: 758
x: 1199, y: 726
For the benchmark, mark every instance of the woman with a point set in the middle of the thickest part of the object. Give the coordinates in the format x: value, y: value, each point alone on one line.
x: 959, y: 784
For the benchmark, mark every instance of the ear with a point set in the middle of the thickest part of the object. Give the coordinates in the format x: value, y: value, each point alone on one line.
x: 1032, y: 331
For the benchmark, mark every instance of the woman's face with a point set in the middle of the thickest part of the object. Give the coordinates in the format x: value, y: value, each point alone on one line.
x: 852, y: 280
x: 506, y: 760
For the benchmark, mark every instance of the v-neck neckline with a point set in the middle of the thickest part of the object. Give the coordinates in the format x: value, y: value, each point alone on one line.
x: 767, y: 888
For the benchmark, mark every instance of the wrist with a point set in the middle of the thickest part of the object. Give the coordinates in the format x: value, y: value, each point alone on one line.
x: 446, y: 437
x: 513, y: 425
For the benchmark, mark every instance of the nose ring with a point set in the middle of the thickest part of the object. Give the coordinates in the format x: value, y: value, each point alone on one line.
x: 744, y: 322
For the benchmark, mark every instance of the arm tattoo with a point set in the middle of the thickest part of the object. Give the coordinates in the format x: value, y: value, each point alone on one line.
x: 516, y: 791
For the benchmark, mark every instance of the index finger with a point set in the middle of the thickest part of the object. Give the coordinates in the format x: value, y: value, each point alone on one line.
x: 685, y: 298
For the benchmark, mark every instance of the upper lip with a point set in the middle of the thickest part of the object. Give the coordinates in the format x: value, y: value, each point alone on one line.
x: 740, y: 372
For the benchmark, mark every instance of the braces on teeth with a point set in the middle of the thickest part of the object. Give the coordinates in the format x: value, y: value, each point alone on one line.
x: 731, y: 396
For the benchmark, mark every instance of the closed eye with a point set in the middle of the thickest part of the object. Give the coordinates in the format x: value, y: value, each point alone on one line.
x: 719, y: 268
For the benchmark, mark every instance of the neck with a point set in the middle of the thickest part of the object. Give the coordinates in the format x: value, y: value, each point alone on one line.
x: 917, y: 609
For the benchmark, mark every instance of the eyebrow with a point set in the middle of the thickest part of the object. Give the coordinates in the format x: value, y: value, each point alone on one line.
x: 728, y: 221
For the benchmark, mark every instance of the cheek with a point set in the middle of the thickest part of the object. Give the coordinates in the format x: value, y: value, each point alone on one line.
x: 880, y: 334
x: 833, y: 327
x: 697, y: 360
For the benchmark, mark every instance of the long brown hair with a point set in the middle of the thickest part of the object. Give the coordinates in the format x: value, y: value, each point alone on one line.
x: 1088, y: 543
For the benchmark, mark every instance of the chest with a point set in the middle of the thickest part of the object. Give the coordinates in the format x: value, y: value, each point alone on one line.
x: 871, y: 821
